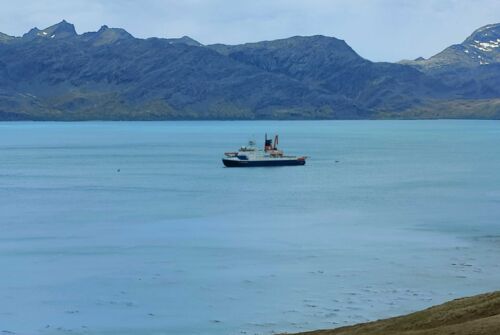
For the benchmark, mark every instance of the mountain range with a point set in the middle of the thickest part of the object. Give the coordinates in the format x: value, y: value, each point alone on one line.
x: 57, y: 74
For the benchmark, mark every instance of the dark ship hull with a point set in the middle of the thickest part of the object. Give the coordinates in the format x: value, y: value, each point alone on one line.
x: 263, y: 162
x: 250, y: 156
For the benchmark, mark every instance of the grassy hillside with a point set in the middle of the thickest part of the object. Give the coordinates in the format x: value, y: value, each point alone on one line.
x: 448, y: 109
x: 478, y: 315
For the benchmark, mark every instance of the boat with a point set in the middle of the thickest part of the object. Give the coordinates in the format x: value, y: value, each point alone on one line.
x: 251, y: 156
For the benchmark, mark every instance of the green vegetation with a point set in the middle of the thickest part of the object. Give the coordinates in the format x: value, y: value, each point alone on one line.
x: 449, y: 109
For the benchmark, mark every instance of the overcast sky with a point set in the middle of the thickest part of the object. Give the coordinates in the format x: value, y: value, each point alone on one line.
x: 380, y: 30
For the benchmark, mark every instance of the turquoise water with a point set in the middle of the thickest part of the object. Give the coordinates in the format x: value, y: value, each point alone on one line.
x: 136, y: 228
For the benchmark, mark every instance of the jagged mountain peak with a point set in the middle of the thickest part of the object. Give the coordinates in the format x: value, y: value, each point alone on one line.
x: 62, y: 29
x: 59, y: 30
x: 106, y: 35
x: 33, y: 33
x: 185, y: 40
x: 105, y: 29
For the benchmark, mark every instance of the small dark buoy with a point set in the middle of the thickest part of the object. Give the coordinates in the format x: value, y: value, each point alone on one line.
x: 118, y: 170
x: 337, y: 161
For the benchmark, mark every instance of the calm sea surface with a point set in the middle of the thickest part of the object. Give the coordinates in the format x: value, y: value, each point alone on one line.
x: 137, y: 228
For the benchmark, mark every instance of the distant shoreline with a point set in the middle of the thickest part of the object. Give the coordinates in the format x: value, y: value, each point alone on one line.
x: 243, y: 120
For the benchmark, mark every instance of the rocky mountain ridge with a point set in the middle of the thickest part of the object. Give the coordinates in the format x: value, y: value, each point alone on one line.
x: 57, y: 74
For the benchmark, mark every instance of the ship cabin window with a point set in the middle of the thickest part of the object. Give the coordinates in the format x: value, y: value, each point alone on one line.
x: 243, y: 157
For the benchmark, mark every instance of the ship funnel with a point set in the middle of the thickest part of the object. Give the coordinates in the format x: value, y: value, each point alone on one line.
x: 268, y: 144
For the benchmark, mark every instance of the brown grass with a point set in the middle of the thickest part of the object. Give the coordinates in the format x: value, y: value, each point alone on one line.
x: 478, y: 315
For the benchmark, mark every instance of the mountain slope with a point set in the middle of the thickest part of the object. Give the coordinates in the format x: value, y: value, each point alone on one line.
x: 330, y: 64
x: 471, y: 69
x: 111, y: 75
x: 5, y: 38
x: 482, y: 47
x: 478, y: 315
x: 56, y: 74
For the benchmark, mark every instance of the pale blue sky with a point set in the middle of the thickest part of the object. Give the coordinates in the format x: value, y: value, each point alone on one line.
x: 381, y: 30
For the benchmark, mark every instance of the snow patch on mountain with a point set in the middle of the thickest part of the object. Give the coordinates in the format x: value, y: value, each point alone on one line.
x: 487, y: 46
